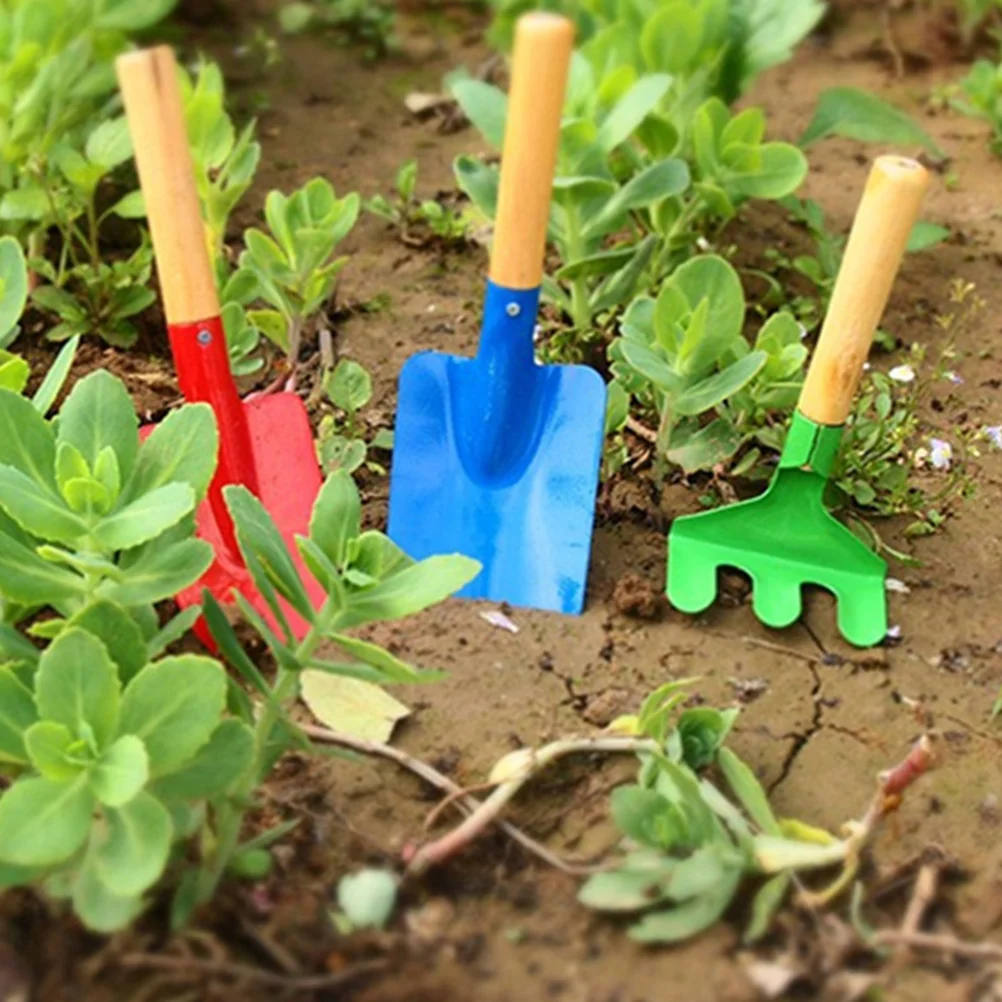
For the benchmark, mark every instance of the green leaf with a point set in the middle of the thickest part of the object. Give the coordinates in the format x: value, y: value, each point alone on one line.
x: 925, y: 235
x: 118, y: 631
x: 714, y: 279
x: 773, y: 170
x: 664, y: 179
x: 13, y: 284
x: 145, y: 518
x: 17, y: 714
x: 354, y: 707
x: 43, y: 822
x: 14, y: 372
x: 49, y: 747
x: 96, y: 905
x: 631, y: 109
x: 485, y: 106
x: 110, y: 144
x: 767, y: 902
x: 261, y: 543
x: 172, y: 631
x: 688, y: 919
x: 182, y: 448
x: 25, y: 577
x: 714, y: 443
x: 133, y: 855
x: 132, y: 16
x: 121, y: 772
x: 217, y: 766
x: 27, y: 442
x: 646, y: 817
x: 367, y: 898
x: 55, y: 377
x: 337, y: 517
x: 130, y: 206
x: 849, y: 112
x: 393, y: 669
x: 624, y: 889
x: 716, y: 388
x: 650, y: 365
x: 161, y: 573
x: 479, y: 182
x: 98, y: 413
x: 77, y: 685
x: 174, y: 706
x: 349, y: 386
x: 410, y: 590
x: 748, y: 790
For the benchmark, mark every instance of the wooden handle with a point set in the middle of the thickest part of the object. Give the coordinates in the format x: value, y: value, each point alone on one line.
x: 148, y: 81
x: 541, y: 60
x: 884, y: 220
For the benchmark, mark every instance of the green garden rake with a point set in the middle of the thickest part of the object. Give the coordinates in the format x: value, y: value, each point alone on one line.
x: 787, y: 538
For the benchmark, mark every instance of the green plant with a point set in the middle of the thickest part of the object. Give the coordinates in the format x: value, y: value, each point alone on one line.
x: 972, y: 16
x: 242, y: 340
x: 89, y: 513
x: 115, y: 756
x: 62, y: 141
x: 979, y: 95
x: 685, y: 356
x: 339, y: 443
x: 225, y: 160
x: 634, y: 190
x: 291, y: 267
x: 367, y: 578
x: 368, y: 23
x: 405, y: 211
x: 690, y: 845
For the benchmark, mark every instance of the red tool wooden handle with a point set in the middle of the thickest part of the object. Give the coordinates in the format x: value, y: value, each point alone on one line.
x: 149, y: 85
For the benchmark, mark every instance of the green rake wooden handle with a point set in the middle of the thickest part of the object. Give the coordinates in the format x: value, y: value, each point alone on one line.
x: 884, y: 220
x: 540, y: 64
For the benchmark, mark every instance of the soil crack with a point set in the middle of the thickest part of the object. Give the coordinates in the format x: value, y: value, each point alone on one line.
x: 801, y: 739
x: 576, y: 700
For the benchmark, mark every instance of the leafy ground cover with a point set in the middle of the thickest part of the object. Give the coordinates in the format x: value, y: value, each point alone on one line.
x: 817, y: 721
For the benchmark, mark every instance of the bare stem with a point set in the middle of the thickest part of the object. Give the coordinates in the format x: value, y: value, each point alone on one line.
x: 459, y: 797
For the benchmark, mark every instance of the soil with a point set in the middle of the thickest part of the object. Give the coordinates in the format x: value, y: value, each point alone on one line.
x: 819, y: 719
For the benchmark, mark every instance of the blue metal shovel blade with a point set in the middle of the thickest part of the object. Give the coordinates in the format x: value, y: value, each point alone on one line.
x: 497, y: 458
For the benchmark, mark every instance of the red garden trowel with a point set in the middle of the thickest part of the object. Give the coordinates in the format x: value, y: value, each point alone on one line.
x: 497, y: 457
x: 265, y: 444
x: 786, y: 538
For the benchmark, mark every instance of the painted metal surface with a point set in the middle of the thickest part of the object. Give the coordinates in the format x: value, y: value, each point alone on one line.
x: 265, y: 444
x: 497, y: 457
x: 784, y: 539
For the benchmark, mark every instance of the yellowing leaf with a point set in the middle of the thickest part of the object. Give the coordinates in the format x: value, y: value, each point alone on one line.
x: 351, y: 706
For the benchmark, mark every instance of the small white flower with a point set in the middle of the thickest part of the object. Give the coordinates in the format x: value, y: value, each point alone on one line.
x: 994, y: 435
x: 953, y: 378
x: 902, y: 374
x: 940, y: 453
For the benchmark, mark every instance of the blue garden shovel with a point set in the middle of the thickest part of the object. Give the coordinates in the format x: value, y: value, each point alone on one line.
x: 497, y: 457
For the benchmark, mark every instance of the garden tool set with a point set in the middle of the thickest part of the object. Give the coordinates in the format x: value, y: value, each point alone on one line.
x: 787, y: 538
x: 496, y: 456
x: 265, y: 444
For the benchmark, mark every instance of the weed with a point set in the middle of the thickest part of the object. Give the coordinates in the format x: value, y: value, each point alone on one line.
x: 339, y: 443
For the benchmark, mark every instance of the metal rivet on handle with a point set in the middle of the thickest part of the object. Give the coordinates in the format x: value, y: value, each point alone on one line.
x: 513, y: 309
x: 204, y: 337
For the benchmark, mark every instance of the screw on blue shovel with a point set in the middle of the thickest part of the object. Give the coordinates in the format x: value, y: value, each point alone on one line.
x: 497, y: 457
x: 786, y: 538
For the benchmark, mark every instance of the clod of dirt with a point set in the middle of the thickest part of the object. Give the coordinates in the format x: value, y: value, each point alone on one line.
x: 733, y: 589
x: 748, y: 690
x: 604, y: 707
x: 636, y: 596
x: 429, y: 923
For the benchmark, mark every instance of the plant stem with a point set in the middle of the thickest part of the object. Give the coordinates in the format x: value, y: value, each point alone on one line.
x: 580, y: 311
x: 535, y: 760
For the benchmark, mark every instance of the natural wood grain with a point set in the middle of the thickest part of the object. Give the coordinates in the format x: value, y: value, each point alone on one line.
x: 543, y: 45
x: 887, y: 212
x: 149, y: 85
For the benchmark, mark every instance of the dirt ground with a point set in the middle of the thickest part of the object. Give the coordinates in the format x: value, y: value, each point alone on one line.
x: 819, y: 719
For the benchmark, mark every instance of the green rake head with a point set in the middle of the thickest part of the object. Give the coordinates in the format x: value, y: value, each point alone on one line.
x: 786, y: 538
x: 783, y: 540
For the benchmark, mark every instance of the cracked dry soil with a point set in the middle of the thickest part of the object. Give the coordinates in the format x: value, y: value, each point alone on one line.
x: 819, y: 719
